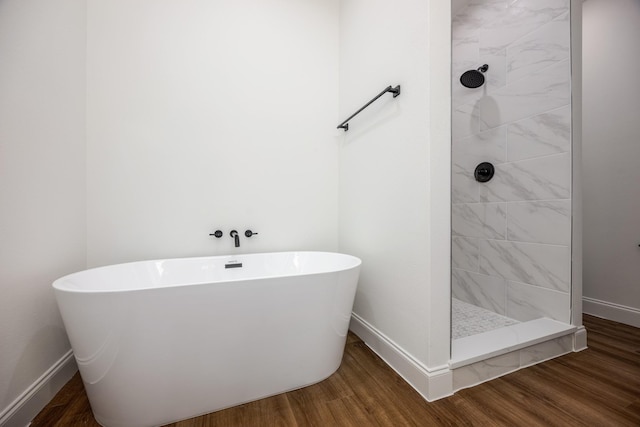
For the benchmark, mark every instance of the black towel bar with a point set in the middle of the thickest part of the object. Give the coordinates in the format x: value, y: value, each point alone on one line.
x: 394, y: 90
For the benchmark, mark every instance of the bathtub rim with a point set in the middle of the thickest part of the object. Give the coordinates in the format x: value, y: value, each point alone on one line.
x: 58, y: 286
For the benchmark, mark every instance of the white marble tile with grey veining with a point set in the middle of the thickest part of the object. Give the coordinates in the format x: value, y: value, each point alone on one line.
x: 496, y: 74
x: 464, y: 253
x: 464, y: 187
x: 465, y: 54
x: 488, y: 292
x: 540, y: 222
x: 502, y: 4
x: 526, y: 302
x: 465, y: 48
x: 487, y: 146
x: 541, y: 135
x: 467, y: 153
x: 542, y: 91
x: 459, y: 66
x: 545, y: 46
x: 542, y: 178
x: 546, y: 350
x: 476, y: 16
x: 519, y: 19
x: 460, y: 94
x: 465, y: 120
x: 536, y: 264
x: 470, y: 375
x: 488, y: 220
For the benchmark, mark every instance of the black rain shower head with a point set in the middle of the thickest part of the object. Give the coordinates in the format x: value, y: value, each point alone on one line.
x: 474, y: 78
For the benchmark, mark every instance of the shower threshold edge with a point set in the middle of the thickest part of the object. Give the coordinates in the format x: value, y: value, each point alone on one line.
x: 475, y: 348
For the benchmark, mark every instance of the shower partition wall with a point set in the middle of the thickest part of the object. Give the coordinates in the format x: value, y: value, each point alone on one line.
x: 511, y: 235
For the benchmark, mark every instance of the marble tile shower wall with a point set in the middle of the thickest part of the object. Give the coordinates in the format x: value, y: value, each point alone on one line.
x: 511, y: 243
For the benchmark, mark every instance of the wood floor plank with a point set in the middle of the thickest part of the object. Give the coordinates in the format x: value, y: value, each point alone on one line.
x: 459, y: 410
x: 368, y: 389
x: 381, y: 386
x: 309, y: 405
x: 501, y: 410
x: 528, y: 405
x: 70, y: 407
x: 598, y: 386
x: 273, y: 411
x: 607, y: 393
x: 570, y: 400
x: 604, y: 399
x: 634, y: 408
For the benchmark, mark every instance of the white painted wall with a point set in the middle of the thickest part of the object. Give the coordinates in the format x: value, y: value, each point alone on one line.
x: 211, y: 115
x: 204, y: 115
x: 394, y: 170
x: 42, y: 181
x: 611, y: 151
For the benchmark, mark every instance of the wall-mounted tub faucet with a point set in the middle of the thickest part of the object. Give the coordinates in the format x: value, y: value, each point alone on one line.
x: 236, y: 236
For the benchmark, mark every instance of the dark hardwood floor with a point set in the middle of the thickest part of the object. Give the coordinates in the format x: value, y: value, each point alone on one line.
x: 596, y: 387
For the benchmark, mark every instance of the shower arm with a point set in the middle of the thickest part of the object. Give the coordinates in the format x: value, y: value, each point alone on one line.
x: 394, y: 90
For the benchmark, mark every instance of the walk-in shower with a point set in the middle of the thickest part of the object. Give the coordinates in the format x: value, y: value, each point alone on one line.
x: 511, y: 173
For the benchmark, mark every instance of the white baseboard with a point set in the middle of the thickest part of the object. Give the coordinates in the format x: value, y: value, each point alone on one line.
x: 21, y: 411
x: 432, y: 384
x: 611, y: 311
x: 580, y: 339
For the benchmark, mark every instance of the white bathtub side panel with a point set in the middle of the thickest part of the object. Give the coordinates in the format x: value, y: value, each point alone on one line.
x: 157, y: 356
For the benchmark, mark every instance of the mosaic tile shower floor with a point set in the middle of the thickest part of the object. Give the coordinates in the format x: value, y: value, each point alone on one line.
x: 468, y: 319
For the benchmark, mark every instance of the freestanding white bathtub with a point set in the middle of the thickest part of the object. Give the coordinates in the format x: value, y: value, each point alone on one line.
x: 161, y: 341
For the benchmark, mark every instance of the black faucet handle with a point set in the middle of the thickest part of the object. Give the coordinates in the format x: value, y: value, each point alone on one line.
x: 249, y: 233
x: 217, y: 233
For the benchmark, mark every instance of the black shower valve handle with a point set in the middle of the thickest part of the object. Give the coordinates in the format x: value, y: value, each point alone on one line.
x: 249, y: 233
x: 217, y: 233
x: 484, y: 172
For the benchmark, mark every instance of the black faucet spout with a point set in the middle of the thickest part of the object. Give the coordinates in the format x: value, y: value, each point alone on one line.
x: 236, y: 237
